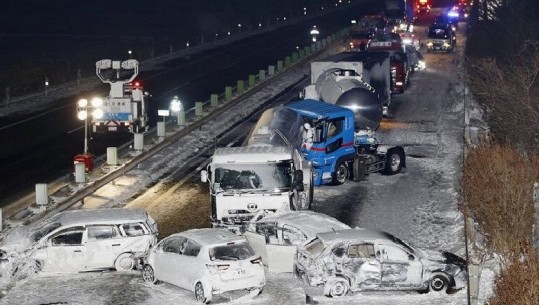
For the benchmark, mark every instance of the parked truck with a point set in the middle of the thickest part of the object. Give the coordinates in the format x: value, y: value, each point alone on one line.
x: 350, y: 76
x: 125, y: 108
x: 265, y: 174
x: 341, y: 143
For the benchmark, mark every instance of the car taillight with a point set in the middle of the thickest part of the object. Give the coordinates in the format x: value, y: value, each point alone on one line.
x: 214, y: 268
x: 257, y: 260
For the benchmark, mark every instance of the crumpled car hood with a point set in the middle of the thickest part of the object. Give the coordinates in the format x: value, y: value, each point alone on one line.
x: 17, y: 240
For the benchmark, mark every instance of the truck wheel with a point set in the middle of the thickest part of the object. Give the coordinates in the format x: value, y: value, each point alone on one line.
x: 394, y: 162
x: 342, y: 173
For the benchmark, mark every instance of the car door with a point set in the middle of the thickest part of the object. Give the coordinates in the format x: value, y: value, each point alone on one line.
x: 167, y: 260
x: 363, y: 266
x: 190, y: 266
x: 101, y: 245
x: 399, y: 268
x: 281, y: 254
x: 65, y: 251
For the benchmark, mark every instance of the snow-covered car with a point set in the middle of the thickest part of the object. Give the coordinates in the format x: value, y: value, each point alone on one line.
x: 360, y: 259
x: 207, y: 262
x: 80, y: 240
x: 276, y: 236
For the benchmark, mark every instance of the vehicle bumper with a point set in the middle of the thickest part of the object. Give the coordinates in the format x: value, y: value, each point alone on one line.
x: 250, y: 282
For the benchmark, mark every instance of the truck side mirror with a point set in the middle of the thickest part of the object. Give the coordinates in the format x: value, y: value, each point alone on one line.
x: 203, y: 176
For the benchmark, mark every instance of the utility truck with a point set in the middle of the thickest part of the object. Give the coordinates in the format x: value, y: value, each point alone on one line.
x: 265, y: 174
x: 125, y: 108
x: 349, y: 77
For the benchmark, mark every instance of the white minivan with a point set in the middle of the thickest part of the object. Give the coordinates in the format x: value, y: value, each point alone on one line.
x: 81, y: 240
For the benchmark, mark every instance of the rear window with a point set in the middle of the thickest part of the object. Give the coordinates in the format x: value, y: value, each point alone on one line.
x: 231, y: 252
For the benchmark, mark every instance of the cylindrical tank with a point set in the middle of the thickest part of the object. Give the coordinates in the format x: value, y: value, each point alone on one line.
x: 352, y: 93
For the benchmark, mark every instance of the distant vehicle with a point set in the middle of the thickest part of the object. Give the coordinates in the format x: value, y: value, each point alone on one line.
x: 399, y: 13
x: 422, y: 7
x: 360, y: 38
x: 360, y: 260
x: 453, y: 15
x: 81, y: 240
x: 440, y: 38
x: 411, y: 40
x: 377, y: 23
x: 445, y: 20
x: 276, y: 235
x: 206, y: 261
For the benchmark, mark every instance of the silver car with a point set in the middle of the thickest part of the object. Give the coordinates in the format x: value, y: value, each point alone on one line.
x: 276, y: 236
x: 207, y: 262
x: 360, y: 259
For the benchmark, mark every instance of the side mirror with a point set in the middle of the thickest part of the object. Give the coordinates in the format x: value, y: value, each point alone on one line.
x: 301, y: 94
x: 203, y: 176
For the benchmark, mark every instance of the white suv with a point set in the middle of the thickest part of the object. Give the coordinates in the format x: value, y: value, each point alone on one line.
x: 206, y: 261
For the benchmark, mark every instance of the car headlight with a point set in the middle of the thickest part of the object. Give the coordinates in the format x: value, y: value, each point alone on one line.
x: 429, y: 43
x: 446, y: 45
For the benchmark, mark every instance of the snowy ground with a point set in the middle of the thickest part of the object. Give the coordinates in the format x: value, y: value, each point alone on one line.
x: 419, y: 205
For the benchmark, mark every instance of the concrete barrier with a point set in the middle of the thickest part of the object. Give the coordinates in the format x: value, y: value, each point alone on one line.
x: 214, y: 98
x: 228, y: 93
x: 198, y: 108
x: 262, y: 75
x: 42, y: 196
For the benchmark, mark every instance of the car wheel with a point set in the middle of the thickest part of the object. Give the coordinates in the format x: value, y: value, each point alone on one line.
x: 394, y: 162
x: 148, y: 274
x: 124, y: 262
x: 338, y: 287
x: 438, y: 283
x: 199, y: 294
x: 342, y: 173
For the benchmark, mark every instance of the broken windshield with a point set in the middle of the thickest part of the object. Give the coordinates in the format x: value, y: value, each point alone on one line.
x: 260, y: 176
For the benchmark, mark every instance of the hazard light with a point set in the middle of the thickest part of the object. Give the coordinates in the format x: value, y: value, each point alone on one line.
x: 97, y: 102
x: 97, y: 113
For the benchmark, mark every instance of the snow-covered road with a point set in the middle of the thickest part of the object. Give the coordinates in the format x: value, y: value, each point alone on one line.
x: 419, y: 205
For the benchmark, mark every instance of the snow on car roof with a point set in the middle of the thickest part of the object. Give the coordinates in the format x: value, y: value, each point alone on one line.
x: 254, y: 154
x: 353, y: 234
x: 309, y: 222
x: 98, y: 216
x: 211, y: 236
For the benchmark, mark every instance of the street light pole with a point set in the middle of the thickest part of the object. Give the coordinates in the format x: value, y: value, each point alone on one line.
x: 86, y: 133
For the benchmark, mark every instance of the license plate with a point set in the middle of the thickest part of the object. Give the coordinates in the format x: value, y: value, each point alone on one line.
x: 240, y: 272
x: 113, y: 128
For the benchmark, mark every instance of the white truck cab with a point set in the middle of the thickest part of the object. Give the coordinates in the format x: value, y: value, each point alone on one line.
x: 246, y: 180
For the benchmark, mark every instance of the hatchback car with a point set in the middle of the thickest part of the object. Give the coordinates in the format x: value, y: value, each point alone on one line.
x: 360, y: 259
x: 81, y: 240
x: 276, y: 236
x: 207, y: 262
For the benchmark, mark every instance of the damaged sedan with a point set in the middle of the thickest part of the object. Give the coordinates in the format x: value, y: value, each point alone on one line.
x: 360, y: 259
x: 276, y: 235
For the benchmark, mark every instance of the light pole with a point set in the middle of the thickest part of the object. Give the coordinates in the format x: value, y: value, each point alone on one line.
x: 82, y: 114
x: 239, y: 27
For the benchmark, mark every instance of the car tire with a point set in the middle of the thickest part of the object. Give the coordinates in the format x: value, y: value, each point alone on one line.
x: 394, y: 162
x: 124, y: 262
x: 199, y: 294
x: 439, y: 283
x: 338, y: 287
x: 342, y: 173
x: 148, y: 275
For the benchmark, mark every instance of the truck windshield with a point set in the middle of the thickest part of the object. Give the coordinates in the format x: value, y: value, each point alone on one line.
x: 257, y: 176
